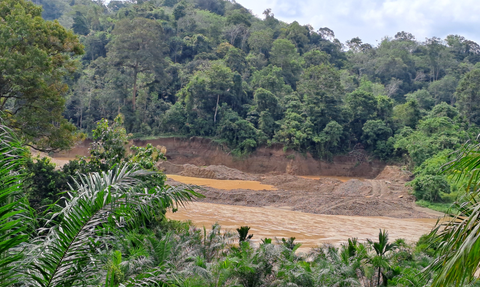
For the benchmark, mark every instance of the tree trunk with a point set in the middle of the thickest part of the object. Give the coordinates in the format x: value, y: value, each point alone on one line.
x: 134, y: 85
x: 378, y: 280
x: 216, y: 109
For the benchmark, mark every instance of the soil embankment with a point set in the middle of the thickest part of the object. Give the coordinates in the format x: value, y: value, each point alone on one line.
x: 204, y: 152
x: 265, y: 160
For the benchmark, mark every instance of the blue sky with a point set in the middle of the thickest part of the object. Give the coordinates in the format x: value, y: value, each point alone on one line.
x: 372, y: 20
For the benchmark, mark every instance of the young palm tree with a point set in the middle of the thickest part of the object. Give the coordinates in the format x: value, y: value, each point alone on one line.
x: 458, y: 235
x: 381, y: 248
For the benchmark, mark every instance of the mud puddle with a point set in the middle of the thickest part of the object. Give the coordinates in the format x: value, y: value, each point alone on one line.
x: 222, y: 184
x: 309, y: 229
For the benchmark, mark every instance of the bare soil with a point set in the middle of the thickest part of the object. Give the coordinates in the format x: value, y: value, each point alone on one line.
x: 373, y: 190
x: 366, y: 197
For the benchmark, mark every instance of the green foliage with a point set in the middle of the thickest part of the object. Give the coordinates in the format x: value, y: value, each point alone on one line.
x: 467, y: 96
x: 432, y: 136
x: 35, y: 57
x: 14, y: 217
x: 361, y: 107
x: 180, y: 67
x: 376, y: 137
x: 429, y: 184
x: 238, y: 133
x: 43, y: 182
x: 457, y: 241
x: 243, y: 234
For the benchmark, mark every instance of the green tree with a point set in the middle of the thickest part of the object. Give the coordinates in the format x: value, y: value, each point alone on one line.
x: 468, y: 96
x: 269, y: 109
x: 429, y: 184
x: 361, y: 106
x: 457, y: 236
x: 443, y: 90
x: 329, y: 139
x: 423, y: 98
x: 35, y: 56
x: 271, y: 78
x: 284, y: 55
x: 433, y: 135
x: 375, y: 137
x: 298, y: 35
x: 316, y: 58
x: 321, y: 89
x: 407, y: 114
x: 138, y: 46
x: 14, y: 217
x: 261, y: 41
x: 380, y: 261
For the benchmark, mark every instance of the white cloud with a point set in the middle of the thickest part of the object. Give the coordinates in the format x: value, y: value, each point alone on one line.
x: 371, y: 20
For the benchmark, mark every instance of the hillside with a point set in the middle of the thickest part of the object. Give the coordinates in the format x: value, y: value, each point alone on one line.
x: 209, y: 68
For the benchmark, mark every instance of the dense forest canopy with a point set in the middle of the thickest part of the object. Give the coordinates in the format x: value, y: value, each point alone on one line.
x: 210, y: 68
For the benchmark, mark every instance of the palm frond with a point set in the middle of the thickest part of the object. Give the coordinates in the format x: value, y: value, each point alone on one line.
x: 64, y: 254
x: 458, y: 234
x: 12, y: 208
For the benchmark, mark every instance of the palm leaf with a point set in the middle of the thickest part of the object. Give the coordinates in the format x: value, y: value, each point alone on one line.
x: 458, y: 234
x: 65, y: 255
x: 12, y: 207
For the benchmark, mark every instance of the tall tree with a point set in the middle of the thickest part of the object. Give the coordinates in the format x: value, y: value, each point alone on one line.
x: 138, y: 45
x: 468, y: 96
x: 35, y: 55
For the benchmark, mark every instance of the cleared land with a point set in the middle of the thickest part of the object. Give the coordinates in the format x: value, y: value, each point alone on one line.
x: 386, y: 195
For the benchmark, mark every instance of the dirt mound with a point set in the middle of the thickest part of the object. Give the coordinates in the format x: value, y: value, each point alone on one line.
x: 224, y: 172
x: 170, y: 168
x: 295, y: 183
x: 395, y: 174
x: 195, y: 171
x: 353, y: 187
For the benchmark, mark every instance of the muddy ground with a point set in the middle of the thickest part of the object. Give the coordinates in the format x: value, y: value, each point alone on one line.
x: 386, y: 195
x: 372, y: 190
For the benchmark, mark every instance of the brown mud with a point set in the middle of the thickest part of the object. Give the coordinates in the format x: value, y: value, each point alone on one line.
x: 287, y: 194
x: 309, y: 229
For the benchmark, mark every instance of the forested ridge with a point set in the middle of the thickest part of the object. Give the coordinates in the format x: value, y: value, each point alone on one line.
x: 210, y: 68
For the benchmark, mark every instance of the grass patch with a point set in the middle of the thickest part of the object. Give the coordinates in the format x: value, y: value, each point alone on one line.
x: 437, y: 206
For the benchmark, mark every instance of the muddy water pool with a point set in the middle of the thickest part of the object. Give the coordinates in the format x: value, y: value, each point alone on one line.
x: 309, y: 229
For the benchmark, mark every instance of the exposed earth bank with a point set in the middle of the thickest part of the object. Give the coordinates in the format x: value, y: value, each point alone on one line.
x: 273, y: 159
